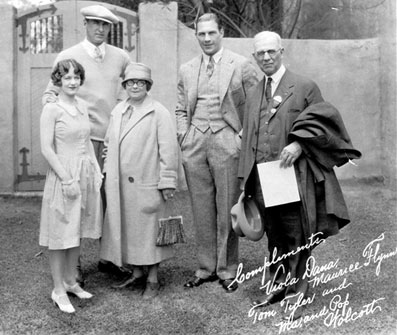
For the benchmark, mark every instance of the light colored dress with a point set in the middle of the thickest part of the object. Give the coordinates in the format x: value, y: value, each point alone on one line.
x: 63, y: 221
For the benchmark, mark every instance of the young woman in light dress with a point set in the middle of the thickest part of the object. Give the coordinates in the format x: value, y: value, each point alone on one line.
x: 71, y: 207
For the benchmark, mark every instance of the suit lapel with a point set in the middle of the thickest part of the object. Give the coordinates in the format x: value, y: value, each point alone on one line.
x: 284, y: 90
x: 256, y: 105
x: 225, y: 75
x: 137, y: 115
x: 193, y: 77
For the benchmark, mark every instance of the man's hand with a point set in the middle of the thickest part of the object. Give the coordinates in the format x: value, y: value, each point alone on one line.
x: 290, y: 154
x: 168, y: 193
x: 51, y: 98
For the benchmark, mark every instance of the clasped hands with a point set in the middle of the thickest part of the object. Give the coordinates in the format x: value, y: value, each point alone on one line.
x: 71, y: 189
x: 290, y: 154
x: 168, y: 193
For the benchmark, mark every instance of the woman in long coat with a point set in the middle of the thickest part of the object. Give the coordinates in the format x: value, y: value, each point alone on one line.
x: 141, y: 168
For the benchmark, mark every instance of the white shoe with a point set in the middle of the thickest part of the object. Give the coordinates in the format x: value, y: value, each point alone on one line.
x: 77, y: 291
x: 63, y: 302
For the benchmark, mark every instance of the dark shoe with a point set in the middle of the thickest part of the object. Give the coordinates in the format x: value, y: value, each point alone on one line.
x: 268, y: 300
x: 229, y: 285
x: 109, y: 267
x: 151, y: 290
x: 131, y: 281
x: 197, y: 281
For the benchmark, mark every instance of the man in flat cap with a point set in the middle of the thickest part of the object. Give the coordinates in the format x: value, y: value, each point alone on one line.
x: 104, y: 68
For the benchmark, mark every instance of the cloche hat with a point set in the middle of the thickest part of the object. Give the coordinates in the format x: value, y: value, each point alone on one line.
x: 138, y: 71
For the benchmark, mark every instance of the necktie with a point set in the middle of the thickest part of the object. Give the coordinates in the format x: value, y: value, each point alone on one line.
x: 125, y: 118
x: 268, y: 90
x: 98, y: 55
x: 210, y: 67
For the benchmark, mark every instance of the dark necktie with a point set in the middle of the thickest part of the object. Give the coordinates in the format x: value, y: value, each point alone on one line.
x: 210, y: 67
x: 268, y: 90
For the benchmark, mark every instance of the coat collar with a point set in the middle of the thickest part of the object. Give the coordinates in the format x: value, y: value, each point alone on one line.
x: 145, y: 108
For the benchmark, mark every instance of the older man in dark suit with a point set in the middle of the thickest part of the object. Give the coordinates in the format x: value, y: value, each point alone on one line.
x: 286, y: 119
x: 211, y: 95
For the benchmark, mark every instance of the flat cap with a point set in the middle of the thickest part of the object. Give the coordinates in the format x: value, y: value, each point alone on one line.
x: 98, y: 12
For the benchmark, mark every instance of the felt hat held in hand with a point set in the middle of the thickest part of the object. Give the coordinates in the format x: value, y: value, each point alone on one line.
x: 246, y: 219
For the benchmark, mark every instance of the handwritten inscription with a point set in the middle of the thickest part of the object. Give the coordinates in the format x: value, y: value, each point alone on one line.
x: 241, y: 277
x: 338, y: 311
x: 372, y: 254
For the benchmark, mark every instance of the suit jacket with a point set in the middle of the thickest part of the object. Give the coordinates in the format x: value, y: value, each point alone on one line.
x: 318, y: 127
x: 297, y: 93
x: 237, y: 75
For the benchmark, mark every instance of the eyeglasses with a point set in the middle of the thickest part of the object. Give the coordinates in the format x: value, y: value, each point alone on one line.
x: 271, y: 53
x: 137, y: 82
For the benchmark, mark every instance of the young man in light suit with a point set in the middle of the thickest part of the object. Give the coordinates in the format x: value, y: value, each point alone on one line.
x: 211, y: 91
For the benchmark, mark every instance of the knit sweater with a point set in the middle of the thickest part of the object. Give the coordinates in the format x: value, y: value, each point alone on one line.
x: 101, y: 89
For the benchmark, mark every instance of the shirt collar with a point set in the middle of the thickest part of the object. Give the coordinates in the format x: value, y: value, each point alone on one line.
x: 129, y: 107
x: 276, y: 77
x: 217, y: 57
x: 90, y: 48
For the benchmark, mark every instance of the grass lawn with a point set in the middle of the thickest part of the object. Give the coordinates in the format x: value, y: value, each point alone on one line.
x: 370, y: 292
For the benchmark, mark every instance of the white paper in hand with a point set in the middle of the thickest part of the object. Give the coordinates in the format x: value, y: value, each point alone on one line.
x: 279, y: 185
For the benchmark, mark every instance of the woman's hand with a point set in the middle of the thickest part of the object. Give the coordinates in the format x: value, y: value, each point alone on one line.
x: 71, y: 190
x: 168, y: 193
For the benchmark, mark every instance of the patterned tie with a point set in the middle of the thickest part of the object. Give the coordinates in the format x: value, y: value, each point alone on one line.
x: 210, y: 67
x: 98, y: 55
x: 268, y: 90
x: 125, y: 118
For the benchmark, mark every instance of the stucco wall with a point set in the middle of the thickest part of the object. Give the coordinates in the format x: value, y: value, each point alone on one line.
x: 357, y: 76
x: 388, y: 92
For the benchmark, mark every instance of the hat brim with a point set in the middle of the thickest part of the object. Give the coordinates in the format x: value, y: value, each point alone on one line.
x: 235, y: 213
x: 246, y: 219
x: 252, y: 225
x: 150, y: 81
x: 89, y: 17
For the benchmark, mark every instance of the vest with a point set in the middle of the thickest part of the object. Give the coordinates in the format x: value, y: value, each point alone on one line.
x: 207, y: 113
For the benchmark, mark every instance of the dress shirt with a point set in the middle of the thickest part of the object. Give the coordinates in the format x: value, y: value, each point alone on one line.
x: 90, y: 48
x: 276, y: 77
x: 217, y: 57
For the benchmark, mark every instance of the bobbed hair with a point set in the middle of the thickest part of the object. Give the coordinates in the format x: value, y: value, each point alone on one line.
x: 63, y: 67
